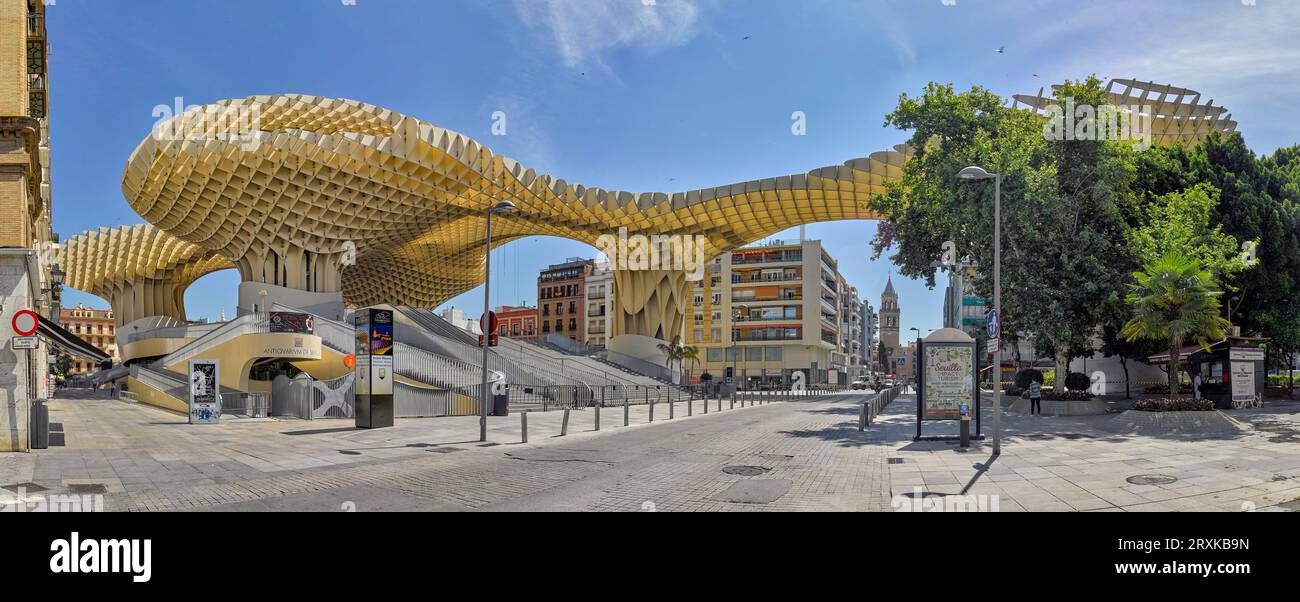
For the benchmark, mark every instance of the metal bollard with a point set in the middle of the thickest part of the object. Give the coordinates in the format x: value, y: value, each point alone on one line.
x: 706, y: 406
x: 652, y: 410
x: 523, y: 425
x: 625, y: 410
x: 597, y: 417
x: 564, y: 427
x: 690, y: 409
x: 706, y: 402
x: 731, y: 406
x: 672, y: 407
x: 864, y: 417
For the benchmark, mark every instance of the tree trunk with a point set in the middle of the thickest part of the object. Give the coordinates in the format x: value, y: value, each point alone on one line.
x: 1062, y: 370
x: 1123, y: 362
x: 1175, y: 351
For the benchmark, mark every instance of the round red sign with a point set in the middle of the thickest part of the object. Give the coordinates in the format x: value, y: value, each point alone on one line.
x: 488, y: 322
x: 25, y: 322
x: 350, y: 360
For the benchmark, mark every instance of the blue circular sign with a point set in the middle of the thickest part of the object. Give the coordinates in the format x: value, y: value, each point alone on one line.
x: 994, y: 323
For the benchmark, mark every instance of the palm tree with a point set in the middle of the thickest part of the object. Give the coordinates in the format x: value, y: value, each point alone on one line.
x: 673, y: 351
x: 1174, y: 299
x: 689, y: 353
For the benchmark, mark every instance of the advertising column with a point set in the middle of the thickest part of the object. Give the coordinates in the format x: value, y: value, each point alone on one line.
x: 374, y: 368
x: 205, y: 392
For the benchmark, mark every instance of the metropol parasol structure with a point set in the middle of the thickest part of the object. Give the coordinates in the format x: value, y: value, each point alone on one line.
x: 326, y: 203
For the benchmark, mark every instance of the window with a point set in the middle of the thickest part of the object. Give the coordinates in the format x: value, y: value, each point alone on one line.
x: 559, y: 309
x: 753, y: 354
x: 559, y: 326
x: 546, y: 310
x: 573, y: 307
x: 514, y: 329
x: 699, y: 334
x: 773, y: 354
x: 504, y: 332
x: 573, y: 324
x: 716, y: 335
x: 714, y: 354
x: 546, y: 327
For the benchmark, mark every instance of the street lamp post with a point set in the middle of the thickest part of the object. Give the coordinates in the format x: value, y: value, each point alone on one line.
x: 486, y: 395
x: 979, y: 173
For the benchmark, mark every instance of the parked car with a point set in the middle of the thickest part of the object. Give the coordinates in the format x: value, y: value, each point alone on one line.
x: 861, y: 383
x: 889, y: 382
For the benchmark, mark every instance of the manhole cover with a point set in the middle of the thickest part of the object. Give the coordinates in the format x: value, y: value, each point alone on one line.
x: 1151, y: 479
x: 895, y: 460
x: 745, y: 471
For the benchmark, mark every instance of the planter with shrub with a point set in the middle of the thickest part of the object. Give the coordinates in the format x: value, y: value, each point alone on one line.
x: 1175, y: 404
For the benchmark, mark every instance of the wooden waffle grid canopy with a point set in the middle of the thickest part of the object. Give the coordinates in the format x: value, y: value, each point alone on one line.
x: 284, y: 186
x: 140, y: 269
x: 1177, y: 116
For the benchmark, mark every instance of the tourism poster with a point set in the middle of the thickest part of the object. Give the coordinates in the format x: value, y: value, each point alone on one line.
x: 949, y: 381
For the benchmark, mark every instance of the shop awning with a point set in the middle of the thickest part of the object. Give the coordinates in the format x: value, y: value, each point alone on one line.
x: 69, y: 343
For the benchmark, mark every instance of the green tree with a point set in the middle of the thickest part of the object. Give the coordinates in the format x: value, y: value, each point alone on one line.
x: 673, y: 352
x: 1065, y: 209
x: 1175, y: 300
x: 63, y: 365
x: 1180, y: 221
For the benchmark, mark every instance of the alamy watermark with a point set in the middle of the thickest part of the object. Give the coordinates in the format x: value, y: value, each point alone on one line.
x: 1071, y: 121
x: 635, y: 252
x: 919, y: 501
x: 59, y: 502
x: 237, y: 123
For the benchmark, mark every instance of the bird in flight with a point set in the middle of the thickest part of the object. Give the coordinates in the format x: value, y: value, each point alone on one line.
x: 1001, y: 49
x: 745, y: 38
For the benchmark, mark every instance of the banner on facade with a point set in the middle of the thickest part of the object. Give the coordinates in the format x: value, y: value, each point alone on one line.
x: 284, y: 321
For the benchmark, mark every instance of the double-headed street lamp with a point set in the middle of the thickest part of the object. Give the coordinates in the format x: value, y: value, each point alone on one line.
x: 978, y: 173
x: 501, y: 207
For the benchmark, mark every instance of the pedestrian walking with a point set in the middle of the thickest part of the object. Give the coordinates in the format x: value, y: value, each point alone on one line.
x: 1035, y: 398
x: 1196, y: 385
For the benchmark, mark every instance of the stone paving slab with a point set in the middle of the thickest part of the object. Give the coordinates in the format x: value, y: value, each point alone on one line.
x: 148, y: 459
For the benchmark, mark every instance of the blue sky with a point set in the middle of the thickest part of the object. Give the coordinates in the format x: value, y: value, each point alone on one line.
x: 639, y: 95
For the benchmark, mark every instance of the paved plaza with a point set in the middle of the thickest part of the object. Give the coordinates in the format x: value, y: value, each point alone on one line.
x: 804, y: 454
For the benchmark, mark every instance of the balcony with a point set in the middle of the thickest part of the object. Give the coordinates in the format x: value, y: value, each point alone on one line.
x: 758, y: 277
x: 596, y: 312
x: 593, y: 295
x: 741, y: 258
x: 787, y: 296
x: 35, y: 26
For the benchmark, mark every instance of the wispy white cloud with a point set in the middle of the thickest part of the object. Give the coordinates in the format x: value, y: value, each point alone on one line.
x: 1217, y: 48
x: 582, y: 31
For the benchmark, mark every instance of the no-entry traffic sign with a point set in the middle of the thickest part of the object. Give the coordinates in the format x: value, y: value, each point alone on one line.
x: 488, y: 323
x: 25, y: 322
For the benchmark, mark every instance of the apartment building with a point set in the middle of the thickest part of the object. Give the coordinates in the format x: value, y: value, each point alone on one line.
x: 561, y: 298
x: 600, y: 303
x: 95, y: 326
x: 762, y: 313
x: 852, y: 345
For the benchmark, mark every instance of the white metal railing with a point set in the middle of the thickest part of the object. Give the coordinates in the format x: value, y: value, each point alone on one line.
x: 246, y: 324
x: 188, y: 331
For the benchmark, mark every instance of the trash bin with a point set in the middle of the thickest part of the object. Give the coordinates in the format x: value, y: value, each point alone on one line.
x: 501, y: 405
x: 39, y: 433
